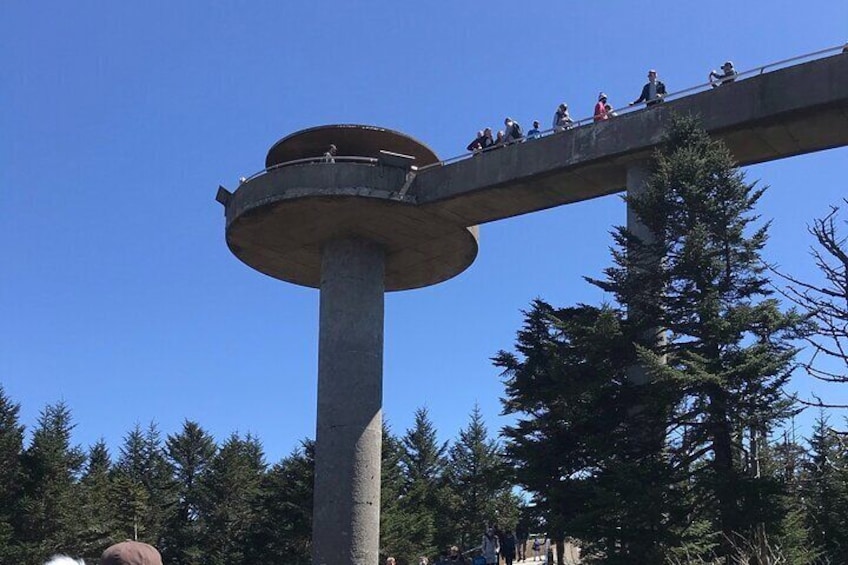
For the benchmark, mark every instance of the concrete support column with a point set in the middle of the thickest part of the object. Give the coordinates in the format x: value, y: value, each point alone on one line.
x: 346, y: 511
x: 637, y: 177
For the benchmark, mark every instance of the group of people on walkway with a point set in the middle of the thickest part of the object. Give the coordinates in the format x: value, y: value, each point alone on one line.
x: 653, y: 92
x: 497, y: 546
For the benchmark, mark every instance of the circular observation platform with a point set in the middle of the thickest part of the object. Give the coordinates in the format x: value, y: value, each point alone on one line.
x: 278, y: 221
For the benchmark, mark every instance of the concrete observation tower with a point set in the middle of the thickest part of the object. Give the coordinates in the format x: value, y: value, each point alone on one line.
x: 371, y: 222
x: 344, y: 227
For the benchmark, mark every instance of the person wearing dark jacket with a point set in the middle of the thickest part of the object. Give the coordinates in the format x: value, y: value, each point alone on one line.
x: 727, y: 75
x: 653, y: 92
x: 508, y: 547
x: 522, y: 533
x: 482, y: 141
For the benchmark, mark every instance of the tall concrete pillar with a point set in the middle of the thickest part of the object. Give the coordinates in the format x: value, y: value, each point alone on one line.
x: 637, y: 177
x: 346, y: 512
x: 346, y: 228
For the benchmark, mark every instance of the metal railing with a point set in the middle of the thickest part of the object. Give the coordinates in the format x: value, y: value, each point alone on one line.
x: 590, y: 120
x: 582, y: 122
x: 305, y: 160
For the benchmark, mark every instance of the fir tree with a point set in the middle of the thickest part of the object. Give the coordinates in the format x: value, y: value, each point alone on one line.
x: 190, y: 452
x: 825, y: 492
x: 99, y: 523
x: 423, y: 464
x: 11, y: 449
x: 143, y: 486
x: 52, y: 467
x: 232, y: 489
x: 566, y: 385
x: 282, y: 531
x: 397, y: 527
x: 728, y: 352
x: 476, y: 477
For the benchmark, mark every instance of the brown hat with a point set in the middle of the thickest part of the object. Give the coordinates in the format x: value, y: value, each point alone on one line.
x: 131, y: 553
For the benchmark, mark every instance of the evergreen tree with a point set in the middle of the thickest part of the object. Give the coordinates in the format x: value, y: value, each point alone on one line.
x: 423, y: 464
x: 282, y: 532
x: 99, y: 523
x: 190, y: 452
x: 52, y: 466
x: 396, y: 526
x: 232, y: 488
x: 476, y: 476
x: 11, y: 449
x: 728, y: 351
x: 143, y: 486
x: 825, y: 493
x: 566, y: 385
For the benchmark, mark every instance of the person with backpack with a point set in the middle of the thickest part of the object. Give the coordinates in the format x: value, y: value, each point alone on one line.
x: 512, y: 131
x: 562, y: 120
x: 537, y: 547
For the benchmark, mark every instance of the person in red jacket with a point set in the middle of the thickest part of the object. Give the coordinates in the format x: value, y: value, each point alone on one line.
x: 601, y: 113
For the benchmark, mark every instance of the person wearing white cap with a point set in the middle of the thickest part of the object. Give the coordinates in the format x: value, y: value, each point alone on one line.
x: 727, y: 74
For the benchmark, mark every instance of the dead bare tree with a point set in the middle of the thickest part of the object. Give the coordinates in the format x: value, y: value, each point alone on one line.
x: 825, y: 302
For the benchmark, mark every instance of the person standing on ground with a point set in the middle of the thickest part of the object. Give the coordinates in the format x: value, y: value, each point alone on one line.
x: 521, y: 535
x: 653, y: 92
x: 537, y: 546
x: 490, y: 547
x: 508, y: 547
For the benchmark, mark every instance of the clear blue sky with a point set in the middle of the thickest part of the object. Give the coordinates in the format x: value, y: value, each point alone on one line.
x: 118, y: 121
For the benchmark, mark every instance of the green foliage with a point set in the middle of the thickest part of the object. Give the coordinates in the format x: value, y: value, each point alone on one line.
x: 825, y: 492
x: 566, y: 388
x: 143, y: 486
x: 477, y: 483
x: 646, y: 472
x: 282, y: 530
x: 11, y: 474
x: 99, y: 520
x: 191, y: 453
x: 397, y: 526
x: 422, y: 460
x: 232, y: 488
x: 729, y: 352
x: 51, y: 503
